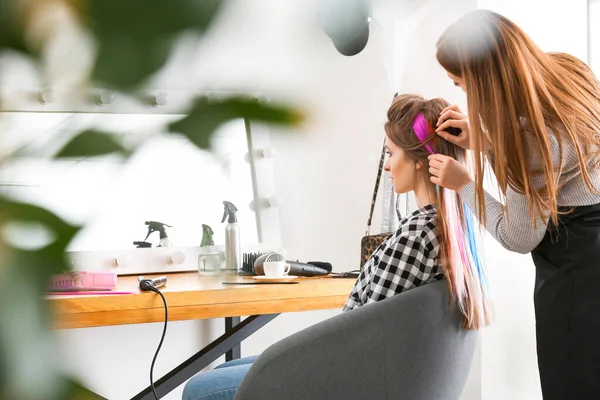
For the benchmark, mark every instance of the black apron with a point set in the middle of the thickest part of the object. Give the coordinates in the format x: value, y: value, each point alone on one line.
x: 567, y: 306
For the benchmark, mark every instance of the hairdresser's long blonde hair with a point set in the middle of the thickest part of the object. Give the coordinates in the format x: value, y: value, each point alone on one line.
x: 515, y: 93
x: 459, y: 256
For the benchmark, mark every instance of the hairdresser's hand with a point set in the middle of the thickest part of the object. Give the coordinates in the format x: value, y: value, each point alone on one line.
x: 447, y: 172
x: 451, y: 116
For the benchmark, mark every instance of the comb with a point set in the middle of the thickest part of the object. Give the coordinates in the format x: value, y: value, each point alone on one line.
x: 248, y: 260
x: 83, y: 281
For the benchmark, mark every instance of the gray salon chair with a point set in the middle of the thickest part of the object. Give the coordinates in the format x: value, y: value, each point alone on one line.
x: 409, y: 346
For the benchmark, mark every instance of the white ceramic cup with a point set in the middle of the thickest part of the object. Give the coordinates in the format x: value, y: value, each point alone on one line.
x: 276, y: 268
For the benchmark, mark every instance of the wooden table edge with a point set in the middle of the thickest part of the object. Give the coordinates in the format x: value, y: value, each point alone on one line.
x: 195, y: 312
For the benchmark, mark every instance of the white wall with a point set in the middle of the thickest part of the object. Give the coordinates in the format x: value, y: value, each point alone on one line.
x: 594, y: 36
x: 555, y: 25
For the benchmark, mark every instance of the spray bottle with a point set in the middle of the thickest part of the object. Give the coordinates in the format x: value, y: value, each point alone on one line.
x: 233, y: 246
x: 160, y: 227
x: 209, y: 259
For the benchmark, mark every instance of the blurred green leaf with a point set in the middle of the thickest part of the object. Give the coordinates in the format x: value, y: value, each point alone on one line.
x: 47, y: 260
x: 28, y: 368
x: 91, y: 143
x: 135, y: 36
x: 207, y: 115
x: 11, y: 28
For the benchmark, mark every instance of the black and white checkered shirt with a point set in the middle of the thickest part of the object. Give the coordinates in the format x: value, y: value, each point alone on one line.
x: 407, y: 259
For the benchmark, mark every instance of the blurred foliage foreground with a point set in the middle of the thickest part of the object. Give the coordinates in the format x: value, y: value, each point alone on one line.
x: 128, y: 41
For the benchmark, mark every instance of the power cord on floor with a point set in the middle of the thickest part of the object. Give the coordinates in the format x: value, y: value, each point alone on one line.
x: 148, y: 284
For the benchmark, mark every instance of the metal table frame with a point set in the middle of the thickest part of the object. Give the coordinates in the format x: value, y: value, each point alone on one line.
x: 228, y: 343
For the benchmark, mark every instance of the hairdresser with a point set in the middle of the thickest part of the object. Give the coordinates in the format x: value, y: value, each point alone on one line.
x: 535, y: 117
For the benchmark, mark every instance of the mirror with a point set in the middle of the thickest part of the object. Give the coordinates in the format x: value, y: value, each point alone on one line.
x: 168, y: 179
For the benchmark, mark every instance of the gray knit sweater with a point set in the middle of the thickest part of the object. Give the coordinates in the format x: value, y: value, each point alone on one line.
x: 515, y: 231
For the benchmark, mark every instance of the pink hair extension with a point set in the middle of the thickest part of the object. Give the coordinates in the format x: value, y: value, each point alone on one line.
x: 422, y: 130
x: 457, y: 256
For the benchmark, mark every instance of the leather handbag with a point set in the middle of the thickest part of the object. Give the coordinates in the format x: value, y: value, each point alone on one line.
x: 369, y: 243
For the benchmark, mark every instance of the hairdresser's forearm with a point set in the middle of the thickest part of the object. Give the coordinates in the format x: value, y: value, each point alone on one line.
x: 514, y: 231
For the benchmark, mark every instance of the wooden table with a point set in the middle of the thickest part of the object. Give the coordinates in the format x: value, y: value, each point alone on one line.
x: 191, y: 296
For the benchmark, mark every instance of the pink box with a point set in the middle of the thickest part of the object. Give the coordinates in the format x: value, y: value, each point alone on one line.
x: 76, y: 281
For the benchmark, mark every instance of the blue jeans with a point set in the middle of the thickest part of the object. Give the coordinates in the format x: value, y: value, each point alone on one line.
x: 219, y: 384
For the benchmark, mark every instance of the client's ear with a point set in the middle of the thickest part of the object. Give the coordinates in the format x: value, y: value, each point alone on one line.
x: 419, y: 164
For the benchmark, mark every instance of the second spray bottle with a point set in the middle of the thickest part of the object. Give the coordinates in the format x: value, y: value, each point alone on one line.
x: 233, y: 245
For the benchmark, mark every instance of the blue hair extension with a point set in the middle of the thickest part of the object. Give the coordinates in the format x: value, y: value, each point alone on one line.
x: 473, y: 245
